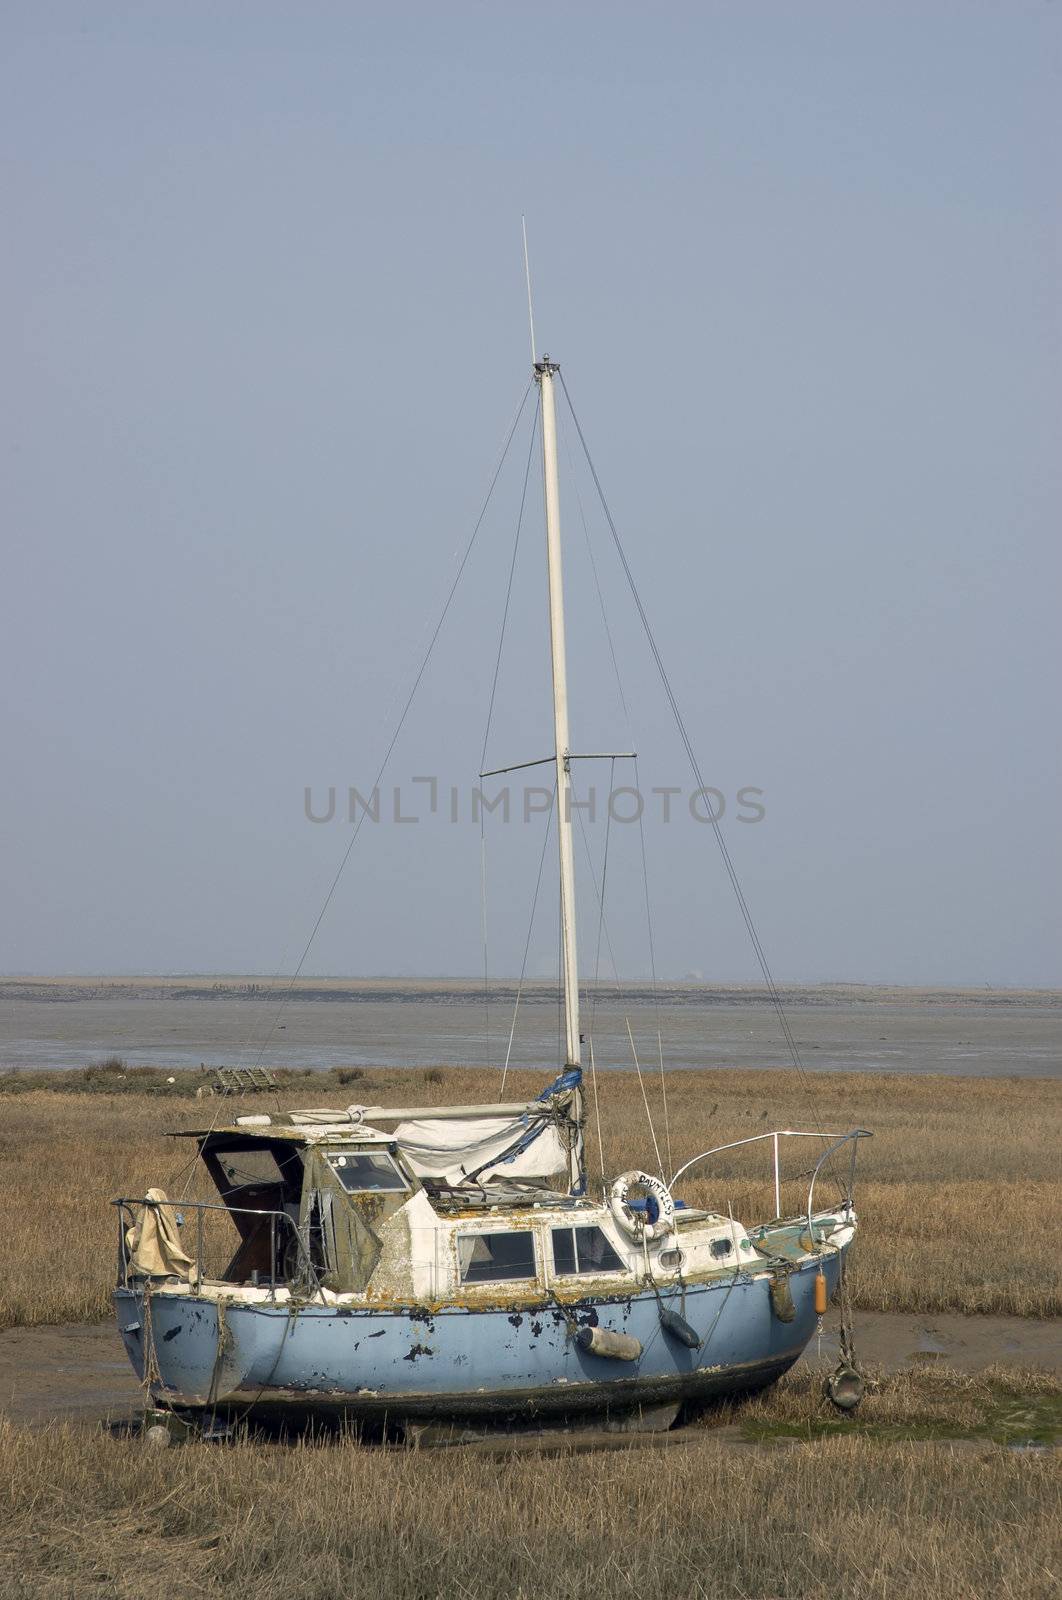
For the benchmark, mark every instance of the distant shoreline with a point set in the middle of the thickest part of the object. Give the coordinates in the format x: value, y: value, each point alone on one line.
x: 202, y: 987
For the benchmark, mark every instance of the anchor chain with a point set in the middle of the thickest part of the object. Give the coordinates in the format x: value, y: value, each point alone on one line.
x: 846, y: 1385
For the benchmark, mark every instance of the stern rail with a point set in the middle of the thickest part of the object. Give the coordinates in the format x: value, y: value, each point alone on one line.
x: 282, y: 1227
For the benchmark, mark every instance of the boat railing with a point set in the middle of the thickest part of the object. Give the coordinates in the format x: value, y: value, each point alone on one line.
x: 283, y: 1229
x: 836, y: 1142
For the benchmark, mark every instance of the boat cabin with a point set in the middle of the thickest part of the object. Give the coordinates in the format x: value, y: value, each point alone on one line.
x: 461, y: 1205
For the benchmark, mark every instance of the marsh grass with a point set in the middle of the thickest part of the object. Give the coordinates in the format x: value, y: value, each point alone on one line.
x: 1001, y: 1405
x: 838, y: 1517
x: 958, y: 1191
x: 772, y: 1496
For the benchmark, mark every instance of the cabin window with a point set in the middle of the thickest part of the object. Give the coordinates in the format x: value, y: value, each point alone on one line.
x: 492, y: 1257
x: 249, y: 1169
x: 365, y: 1171
x: 245, y: 1174
x: 583, y: 1250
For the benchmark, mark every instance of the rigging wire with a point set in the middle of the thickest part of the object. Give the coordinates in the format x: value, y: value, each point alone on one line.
x: 652, y: 967
x: 597, y: 1114
x: 527, y: 941
x: 486, y: 730
x: 645, y: 1097
x: 731, y: 871
x: 509, y: 586
x: 598, y: 590
x: 597, y: 981
x: 401, y: 721
x: 603, y: 926
x: 189, y: 1168
x: 637, y: 784
x: 601, y: 897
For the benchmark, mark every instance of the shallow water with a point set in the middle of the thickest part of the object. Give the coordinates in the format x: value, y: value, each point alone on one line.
x: 395, y: 1023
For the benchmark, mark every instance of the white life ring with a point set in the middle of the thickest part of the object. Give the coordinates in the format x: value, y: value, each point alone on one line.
x: 631, y: 1221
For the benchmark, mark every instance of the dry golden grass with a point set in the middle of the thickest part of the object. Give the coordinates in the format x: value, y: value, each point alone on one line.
x: 960, y: 1201
x: 959, y: 1189
x: 842, y: 1517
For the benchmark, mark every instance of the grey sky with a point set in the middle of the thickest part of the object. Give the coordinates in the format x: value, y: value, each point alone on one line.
x: 265, y: 330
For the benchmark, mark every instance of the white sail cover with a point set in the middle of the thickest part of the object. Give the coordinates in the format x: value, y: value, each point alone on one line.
x: 450, y: 1149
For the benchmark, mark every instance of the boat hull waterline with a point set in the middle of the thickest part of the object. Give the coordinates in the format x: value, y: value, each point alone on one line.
x: 373, y: 1363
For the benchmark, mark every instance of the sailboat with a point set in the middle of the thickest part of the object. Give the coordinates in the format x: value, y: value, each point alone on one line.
x: 406, y: 1267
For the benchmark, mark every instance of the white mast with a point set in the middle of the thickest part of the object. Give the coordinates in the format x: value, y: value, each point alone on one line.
x: 544, y: 372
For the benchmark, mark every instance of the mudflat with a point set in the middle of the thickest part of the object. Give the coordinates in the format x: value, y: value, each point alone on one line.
x: 184, y: 1022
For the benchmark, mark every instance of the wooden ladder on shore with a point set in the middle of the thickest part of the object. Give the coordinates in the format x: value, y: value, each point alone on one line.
x: 243, y: 1080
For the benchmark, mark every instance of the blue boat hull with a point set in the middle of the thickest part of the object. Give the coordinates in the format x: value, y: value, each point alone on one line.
x: 461, y: 1363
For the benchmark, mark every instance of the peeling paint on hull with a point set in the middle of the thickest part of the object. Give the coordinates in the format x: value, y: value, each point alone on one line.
x: 368, y: 1363
x: 516, y: 1405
